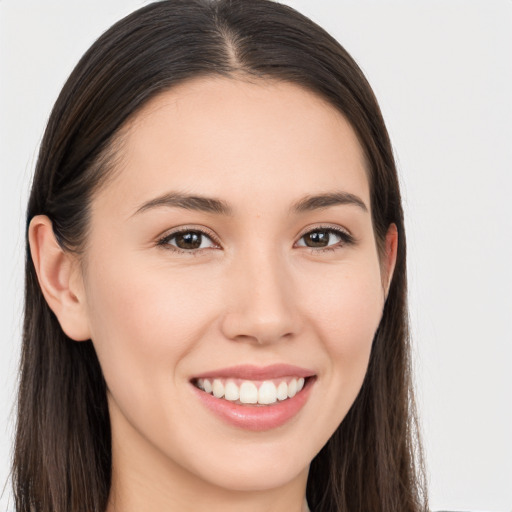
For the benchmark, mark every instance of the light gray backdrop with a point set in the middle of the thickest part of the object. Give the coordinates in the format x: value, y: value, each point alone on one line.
x: 442, y: 71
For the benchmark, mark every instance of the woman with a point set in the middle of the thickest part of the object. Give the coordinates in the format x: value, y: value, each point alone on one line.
x: 215, y: 297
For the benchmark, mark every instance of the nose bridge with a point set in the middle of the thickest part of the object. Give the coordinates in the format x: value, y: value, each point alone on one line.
x: 261, y: 301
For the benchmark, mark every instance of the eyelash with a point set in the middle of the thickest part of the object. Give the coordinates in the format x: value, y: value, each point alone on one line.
x: 164, y: 241
x: 346, y: 239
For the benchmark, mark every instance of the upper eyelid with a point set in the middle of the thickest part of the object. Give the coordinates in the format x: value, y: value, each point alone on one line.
x: 332, y: 227
x: 208, y: 232
x: 185, y: 229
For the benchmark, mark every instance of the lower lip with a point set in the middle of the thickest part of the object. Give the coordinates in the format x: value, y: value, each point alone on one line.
x: 254, y: 417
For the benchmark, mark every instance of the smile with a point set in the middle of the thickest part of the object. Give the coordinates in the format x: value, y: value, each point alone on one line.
x: 255, y: 398
x: 252, y: 392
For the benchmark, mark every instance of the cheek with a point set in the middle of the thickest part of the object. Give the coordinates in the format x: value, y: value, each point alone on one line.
x: 144, y: 320
x: 348, y: 305
x: 346, y: 310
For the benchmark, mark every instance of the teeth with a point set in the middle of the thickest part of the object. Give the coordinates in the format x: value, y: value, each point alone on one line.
x: 247, y: 392
x: 267, y: 394
x: 218, y: 389
x: 231, y: 391
x: 207, y: 386
x: 282, y: 391
x: 292, y: 388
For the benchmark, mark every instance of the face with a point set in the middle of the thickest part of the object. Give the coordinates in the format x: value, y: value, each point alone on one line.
x: 233, y: 246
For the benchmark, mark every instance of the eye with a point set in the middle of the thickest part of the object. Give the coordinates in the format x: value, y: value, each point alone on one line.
x: 187, y: 240
x: 325, y: 238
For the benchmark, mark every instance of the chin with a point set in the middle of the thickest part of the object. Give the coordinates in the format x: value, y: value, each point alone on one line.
x: 257, y: 478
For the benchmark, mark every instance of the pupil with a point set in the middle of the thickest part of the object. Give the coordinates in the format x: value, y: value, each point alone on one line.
x: 189, y: 240
x: 317, y: 239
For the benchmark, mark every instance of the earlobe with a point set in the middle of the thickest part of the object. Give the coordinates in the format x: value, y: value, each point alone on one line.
x: 59, y: 278
x: 391, y: 249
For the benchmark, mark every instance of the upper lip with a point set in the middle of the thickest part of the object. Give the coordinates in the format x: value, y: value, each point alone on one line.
x: 251, y: 372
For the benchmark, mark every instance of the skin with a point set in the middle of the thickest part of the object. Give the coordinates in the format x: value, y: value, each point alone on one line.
x: 253, y: 294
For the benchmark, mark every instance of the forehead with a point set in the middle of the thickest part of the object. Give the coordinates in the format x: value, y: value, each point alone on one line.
x: 219, y: 136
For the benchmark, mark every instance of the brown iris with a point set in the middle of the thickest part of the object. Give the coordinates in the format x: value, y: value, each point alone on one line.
x: 189, y: 240
x: 317, y: 238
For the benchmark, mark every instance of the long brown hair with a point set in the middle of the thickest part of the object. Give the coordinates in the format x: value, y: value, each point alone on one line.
x: 62, y: 458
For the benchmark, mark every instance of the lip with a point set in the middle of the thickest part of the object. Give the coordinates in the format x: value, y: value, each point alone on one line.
x: 251, y: 372
x: 251, y: 417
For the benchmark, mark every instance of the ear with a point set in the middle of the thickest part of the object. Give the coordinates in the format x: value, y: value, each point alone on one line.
x: 60, y: 278
x: 389, y: 257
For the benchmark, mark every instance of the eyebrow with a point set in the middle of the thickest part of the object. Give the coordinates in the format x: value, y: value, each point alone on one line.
x: 321, y: 201
x: 188, y: 202
x: 220, y: 207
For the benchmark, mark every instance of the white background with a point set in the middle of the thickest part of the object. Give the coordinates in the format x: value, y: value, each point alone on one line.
x: 443, y: 74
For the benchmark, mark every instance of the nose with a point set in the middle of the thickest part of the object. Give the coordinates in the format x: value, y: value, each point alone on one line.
x: 261, y: 304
